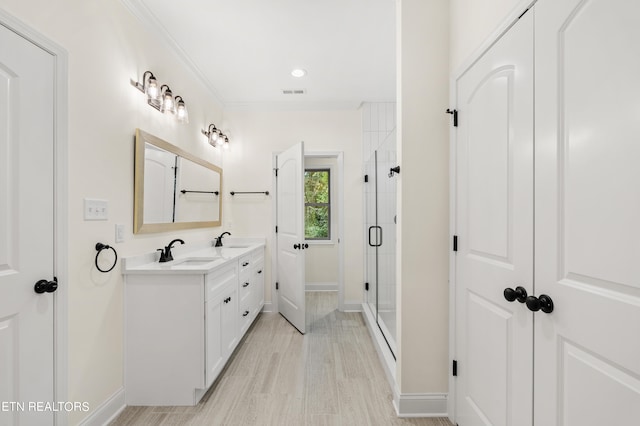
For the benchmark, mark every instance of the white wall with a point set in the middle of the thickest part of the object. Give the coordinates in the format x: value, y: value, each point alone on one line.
x: 472, y: 21
x: 423, y: 202
x: 106, y: 47
x: 321, y: 258
x: 248, y: 166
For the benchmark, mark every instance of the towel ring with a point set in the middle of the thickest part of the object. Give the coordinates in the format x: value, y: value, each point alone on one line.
x: 99, y: 248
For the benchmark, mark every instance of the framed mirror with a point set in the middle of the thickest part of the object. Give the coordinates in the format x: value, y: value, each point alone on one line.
x: 173, y: 189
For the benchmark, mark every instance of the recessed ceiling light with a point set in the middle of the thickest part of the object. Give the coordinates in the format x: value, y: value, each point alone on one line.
x: 298, y: 72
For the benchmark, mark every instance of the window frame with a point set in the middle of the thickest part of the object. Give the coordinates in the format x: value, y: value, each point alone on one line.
x: 329, y: 238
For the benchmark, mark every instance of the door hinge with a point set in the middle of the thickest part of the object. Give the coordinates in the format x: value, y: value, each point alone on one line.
x: 455, y: 243
x: 277, y: 286
x: 276, y: 170
x: 276, y: 229
x: 455, y: 368
x: 366, y: 178
x: 455, y: 116
x: 523, y: 13
x: 366, y: 286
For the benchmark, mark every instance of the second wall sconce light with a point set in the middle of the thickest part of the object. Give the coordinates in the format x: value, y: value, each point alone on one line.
x: 161, y: 98
x: 215, y: 137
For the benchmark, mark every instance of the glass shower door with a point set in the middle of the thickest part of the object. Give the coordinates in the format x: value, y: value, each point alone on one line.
x: 386, y: 251
x: 380, y: 253
x: 370, y: 223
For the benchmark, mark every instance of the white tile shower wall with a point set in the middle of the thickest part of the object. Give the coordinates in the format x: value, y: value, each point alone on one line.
x: 378, y: 121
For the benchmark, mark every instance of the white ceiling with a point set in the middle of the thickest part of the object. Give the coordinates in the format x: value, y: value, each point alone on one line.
x: 245, y: 50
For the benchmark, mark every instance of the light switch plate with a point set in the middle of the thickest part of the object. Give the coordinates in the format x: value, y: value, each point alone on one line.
x: 96, y: 209
x: 119, y: 233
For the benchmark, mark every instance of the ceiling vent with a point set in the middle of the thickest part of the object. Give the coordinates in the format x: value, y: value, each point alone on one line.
x: 293, y: 91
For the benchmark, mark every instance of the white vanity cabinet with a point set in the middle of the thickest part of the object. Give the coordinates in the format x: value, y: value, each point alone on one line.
x: 182, y: 323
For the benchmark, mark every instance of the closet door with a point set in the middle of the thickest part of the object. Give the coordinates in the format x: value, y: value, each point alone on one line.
x: 494, y: 224
x: 587, y: 351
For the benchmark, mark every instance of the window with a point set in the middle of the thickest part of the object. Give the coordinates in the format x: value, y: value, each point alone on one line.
x: 317, y: 204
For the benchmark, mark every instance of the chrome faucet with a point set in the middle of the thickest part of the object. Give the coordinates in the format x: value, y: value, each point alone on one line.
x: 219, y: 239
x: 166, y: 255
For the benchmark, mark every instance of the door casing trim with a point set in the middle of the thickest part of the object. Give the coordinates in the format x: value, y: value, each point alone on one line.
x: 61, y: 231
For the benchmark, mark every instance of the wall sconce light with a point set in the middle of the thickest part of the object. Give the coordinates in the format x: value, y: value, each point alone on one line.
x: 182, y: 115
x: 162, y: 98
x: 215, y: 137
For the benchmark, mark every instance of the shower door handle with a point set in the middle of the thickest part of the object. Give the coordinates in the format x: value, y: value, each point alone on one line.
x: 378, y: 236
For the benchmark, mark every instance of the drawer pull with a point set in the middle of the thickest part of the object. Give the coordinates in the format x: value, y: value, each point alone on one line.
x: 245, y: 313
x: 260, y: 271
x: 245, y: 264
x: 245, y: 285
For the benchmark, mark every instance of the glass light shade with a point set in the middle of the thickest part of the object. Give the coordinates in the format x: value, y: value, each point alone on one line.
x: 152, y: 88
x: 181, y: 112
x: 225, y: 145
x: 212, y: 141
x: 168, y: 104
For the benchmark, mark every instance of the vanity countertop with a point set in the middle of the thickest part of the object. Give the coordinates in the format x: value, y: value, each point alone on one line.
x: 195, y: 259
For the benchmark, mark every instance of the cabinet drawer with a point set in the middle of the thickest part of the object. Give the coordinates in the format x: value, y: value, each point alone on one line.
x: 246, y: 287
x: 245, y: 315
x: 217, y: 280
x: 259, y: 268
x: 245, y: 262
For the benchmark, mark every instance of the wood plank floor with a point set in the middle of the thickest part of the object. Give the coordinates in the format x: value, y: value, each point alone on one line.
x: 329, y: 376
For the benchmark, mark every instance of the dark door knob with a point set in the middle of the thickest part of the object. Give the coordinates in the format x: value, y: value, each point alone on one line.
x: 44, y: 286
x: 296, y: 246
x: 520, y: 293
x: 542, y: 303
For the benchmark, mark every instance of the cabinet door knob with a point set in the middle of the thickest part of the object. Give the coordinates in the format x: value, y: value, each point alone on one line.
x: 245, y: 313
x: 260, y: 271
x: 245, y: 285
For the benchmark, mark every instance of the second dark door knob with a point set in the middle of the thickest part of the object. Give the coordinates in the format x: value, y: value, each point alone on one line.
x: 542, y: 303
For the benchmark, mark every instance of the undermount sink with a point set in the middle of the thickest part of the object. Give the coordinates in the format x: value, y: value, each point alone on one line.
x: 192, y: 261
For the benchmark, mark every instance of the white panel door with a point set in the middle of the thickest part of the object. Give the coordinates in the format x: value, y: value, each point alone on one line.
x: 290, y: 236
x: 26, y: 229
x: 587, y: 358
x: 494, y: 224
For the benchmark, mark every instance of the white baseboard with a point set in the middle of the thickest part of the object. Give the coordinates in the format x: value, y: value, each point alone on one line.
x: 351, y: 306
x: 107, y: 411
x: 420, y: 404
x: 321, y: 287
x: 268, y: 307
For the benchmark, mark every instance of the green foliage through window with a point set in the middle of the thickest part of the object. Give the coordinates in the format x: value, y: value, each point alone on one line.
x: 317, y: 204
